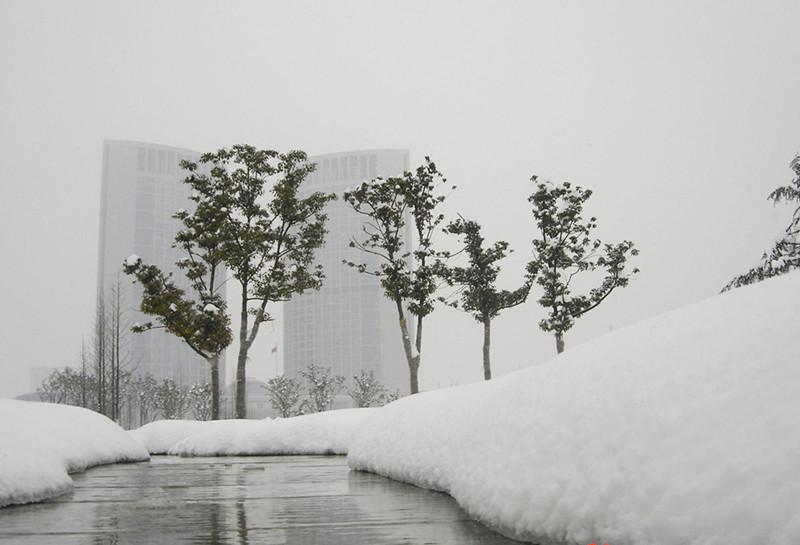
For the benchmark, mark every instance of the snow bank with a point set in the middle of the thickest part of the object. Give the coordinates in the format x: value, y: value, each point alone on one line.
x: 40, y: 444
x: 682, y: 429
x: 328, y: 432
x: 160, y: 436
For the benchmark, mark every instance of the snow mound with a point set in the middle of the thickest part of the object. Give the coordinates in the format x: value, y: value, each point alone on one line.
x: 41, y: 443
x: 684, y: 428
x: 329, y: 432
x: 160, y: 436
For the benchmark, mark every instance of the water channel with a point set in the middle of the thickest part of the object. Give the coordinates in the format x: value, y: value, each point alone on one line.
x: 254, y: 500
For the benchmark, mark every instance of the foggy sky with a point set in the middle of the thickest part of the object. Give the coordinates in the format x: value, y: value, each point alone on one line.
x: 681, y: 117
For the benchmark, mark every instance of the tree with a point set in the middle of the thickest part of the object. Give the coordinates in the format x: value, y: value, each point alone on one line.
x: 479, y: 296
x: 200, y: 322
x: 784, y: 255
x: 199, y: 400
x: 268, y: 248
x: 63, y: 387
x: 144, y: 388
x: 76, y: 387
x: 100, y: 354
x: 117, y: 330
x: 171, y: 399
x: 564, y: 249
x: 321, y: 388
x: 408, y: 278
x: 367, y: 391
x: 284, y: 394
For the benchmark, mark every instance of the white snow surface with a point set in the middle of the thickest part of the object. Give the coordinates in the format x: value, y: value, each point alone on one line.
x: 683, y: 429
x: 328, y: 432
x: 41, y: 443
x: 160, y: 436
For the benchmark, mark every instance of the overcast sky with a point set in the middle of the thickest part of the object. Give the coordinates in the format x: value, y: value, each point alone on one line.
x: 681, y: 116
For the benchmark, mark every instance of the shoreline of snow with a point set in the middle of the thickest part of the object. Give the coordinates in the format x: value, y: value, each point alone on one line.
x: 329, y: 432
x: 680, y: 429
x: 43, y: 443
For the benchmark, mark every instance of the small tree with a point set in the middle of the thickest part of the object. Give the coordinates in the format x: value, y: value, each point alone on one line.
x: 784, y: 255
x: 367, y: 390
x: 479, y: 296
x: 199, y: 400
x: 268, y: 248
x: 564, y: 249
x: 200, y: 322
x: 171, y: 399
x: 100, y: 355
x: 284, y: 394
x: 64, y: 387
x: 199, y: 319
x: 321, y: 388
x: 118, y: 331
x: 144, y: 388
x: 409, y: 278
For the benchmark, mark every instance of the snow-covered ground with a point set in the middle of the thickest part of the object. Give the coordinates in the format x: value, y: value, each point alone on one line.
x: 320, y: 433
x: 40, y: 444
x: 683, y: 429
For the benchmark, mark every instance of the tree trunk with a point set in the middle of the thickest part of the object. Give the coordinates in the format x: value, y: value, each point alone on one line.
x: 213, y: 361
x: 100, y: 354
x: 413, y: 361
x: 487, y: 343
x: 241, y: 363
x: 241, y: 382
x: 116, y: 366
x: 559, y: 342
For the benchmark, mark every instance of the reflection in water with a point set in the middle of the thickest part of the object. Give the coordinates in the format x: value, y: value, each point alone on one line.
x: 216, y: 522
x: 241, y: 522
x: 263, y: 500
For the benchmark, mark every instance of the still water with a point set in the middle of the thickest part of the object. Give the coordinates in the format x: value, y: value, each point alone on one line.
x: 254, y: 500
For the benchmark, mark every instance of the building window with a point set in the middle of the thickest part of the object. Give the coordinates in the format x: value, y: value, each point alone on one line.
x: 325, y: 170
x: 373, y: 166
x: 145, y: 201
x: 335, y: 169
x: 353, y: 167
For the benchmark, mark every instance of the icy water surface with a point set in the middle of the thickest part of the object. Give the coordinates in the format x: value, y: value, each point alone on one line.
x: 256, y: 500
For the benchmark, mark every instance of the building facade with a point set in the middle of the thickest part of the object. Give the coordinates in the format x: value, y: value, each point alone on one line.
x: 348, y: 325
x: 142, y: 187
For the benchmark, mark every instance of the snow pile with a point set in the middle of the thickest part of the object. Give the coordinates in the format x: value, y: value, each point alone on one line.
x: 160, y: 436
x: 681, y: 429
x: 40, y: 444
x: 329, y: 432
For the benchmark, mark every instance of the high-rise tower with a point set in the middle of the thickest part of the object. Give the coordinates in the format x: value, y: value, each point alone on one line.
x: 348, y: 325
x: 142, y: 187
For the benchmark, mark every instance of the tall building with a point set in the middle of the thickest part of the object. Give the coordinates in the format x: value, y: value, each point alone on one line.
x: 142, y: 188
x: 348, y: 325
